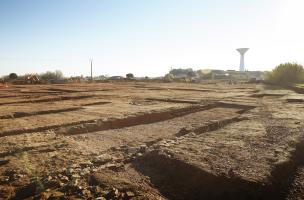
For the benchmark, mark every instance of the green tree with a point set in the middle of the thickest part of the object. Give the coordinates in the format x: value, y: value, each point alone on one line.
x: 287, y: 73
x: 191, y: 74
x: 130, y: 76
x: 205, y: 73
x: 180, y: 71
x: 169, y: 77
x: 12, y: 76
x: 56, y: 75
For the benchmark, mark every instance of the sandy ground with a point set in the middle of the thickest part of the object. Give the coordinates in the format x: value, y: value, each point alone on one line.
x: 151, y: 141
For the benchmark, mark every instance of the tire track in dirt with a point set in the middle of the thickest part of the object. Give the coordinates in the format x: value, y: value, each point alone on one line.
x: 76, y: 91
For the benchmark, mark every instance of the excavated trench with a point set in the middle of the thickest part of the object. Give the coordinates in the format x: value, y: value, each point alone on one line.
x: 179, y: 180
x: 210, y: 126
x: 13, y: 96
x: 40, y: 92
x: 243, y: 108
x: 267, y: 95
x: 176, y: 89
x: 77, y: 91
x: 181, y: 89
x: 173, y: 100
x: 295, y: 100
x: 61, y: 98
x: 149, y: 118
x: 173, y: 178
x: 96, y: 103
x: 45, y: 112
x: 87, y: 126
x: 146, y: 118
x: 40, y: 149
x: 284, y: 174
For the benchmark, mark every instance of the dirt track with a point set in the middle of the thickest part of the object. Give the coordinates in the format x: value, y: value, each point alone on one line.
x: 151, y: 141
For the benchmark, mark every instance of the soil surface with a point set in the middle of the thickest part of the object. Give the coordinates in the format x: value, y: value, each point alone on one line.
x: 151, y: 141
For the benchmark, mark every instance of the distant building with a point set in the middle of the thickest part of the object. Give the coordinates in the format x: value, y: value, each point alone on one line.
x: 116, y: 78
x: 230, y: 75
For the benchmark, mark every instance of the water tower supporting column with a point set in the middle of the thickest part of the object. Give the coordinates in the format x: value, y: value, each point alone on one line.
x: 242, y: 51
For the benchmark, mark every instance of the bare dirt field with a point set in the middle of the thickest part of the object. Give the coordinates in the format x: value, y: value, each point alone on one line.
x: 151, y: 141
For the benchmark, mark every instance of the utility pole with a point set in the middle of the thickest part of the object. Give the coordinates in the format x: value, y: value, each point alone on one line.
x: 91, y: 60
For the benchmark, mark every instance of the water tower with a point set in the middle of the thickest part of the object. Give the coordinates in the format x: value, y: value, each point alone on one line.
x: 242, y: 63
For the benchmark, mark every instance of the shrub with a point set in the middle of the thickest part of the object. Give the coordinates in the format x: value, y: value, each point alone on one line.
x: 169, y: 77
x: 129, y: 76
x: 12, y: 76
x: 286, y: 74
x: 57, y: 75
x: 191, y: 74
x: 183, y: 73
x: 205, y: 73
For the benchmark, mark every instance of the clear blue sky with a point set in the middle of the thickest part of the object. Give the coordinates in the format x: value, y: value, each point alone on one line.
x: 147, y: 37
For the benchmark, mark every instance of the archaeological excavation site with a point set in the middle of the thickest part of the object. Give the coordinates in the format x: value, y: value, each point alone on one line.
x: 143, y: 140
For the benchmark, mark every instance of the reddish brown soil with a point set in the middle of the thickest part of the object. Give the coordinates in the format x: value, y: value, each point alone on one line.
x: 151, y: 141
